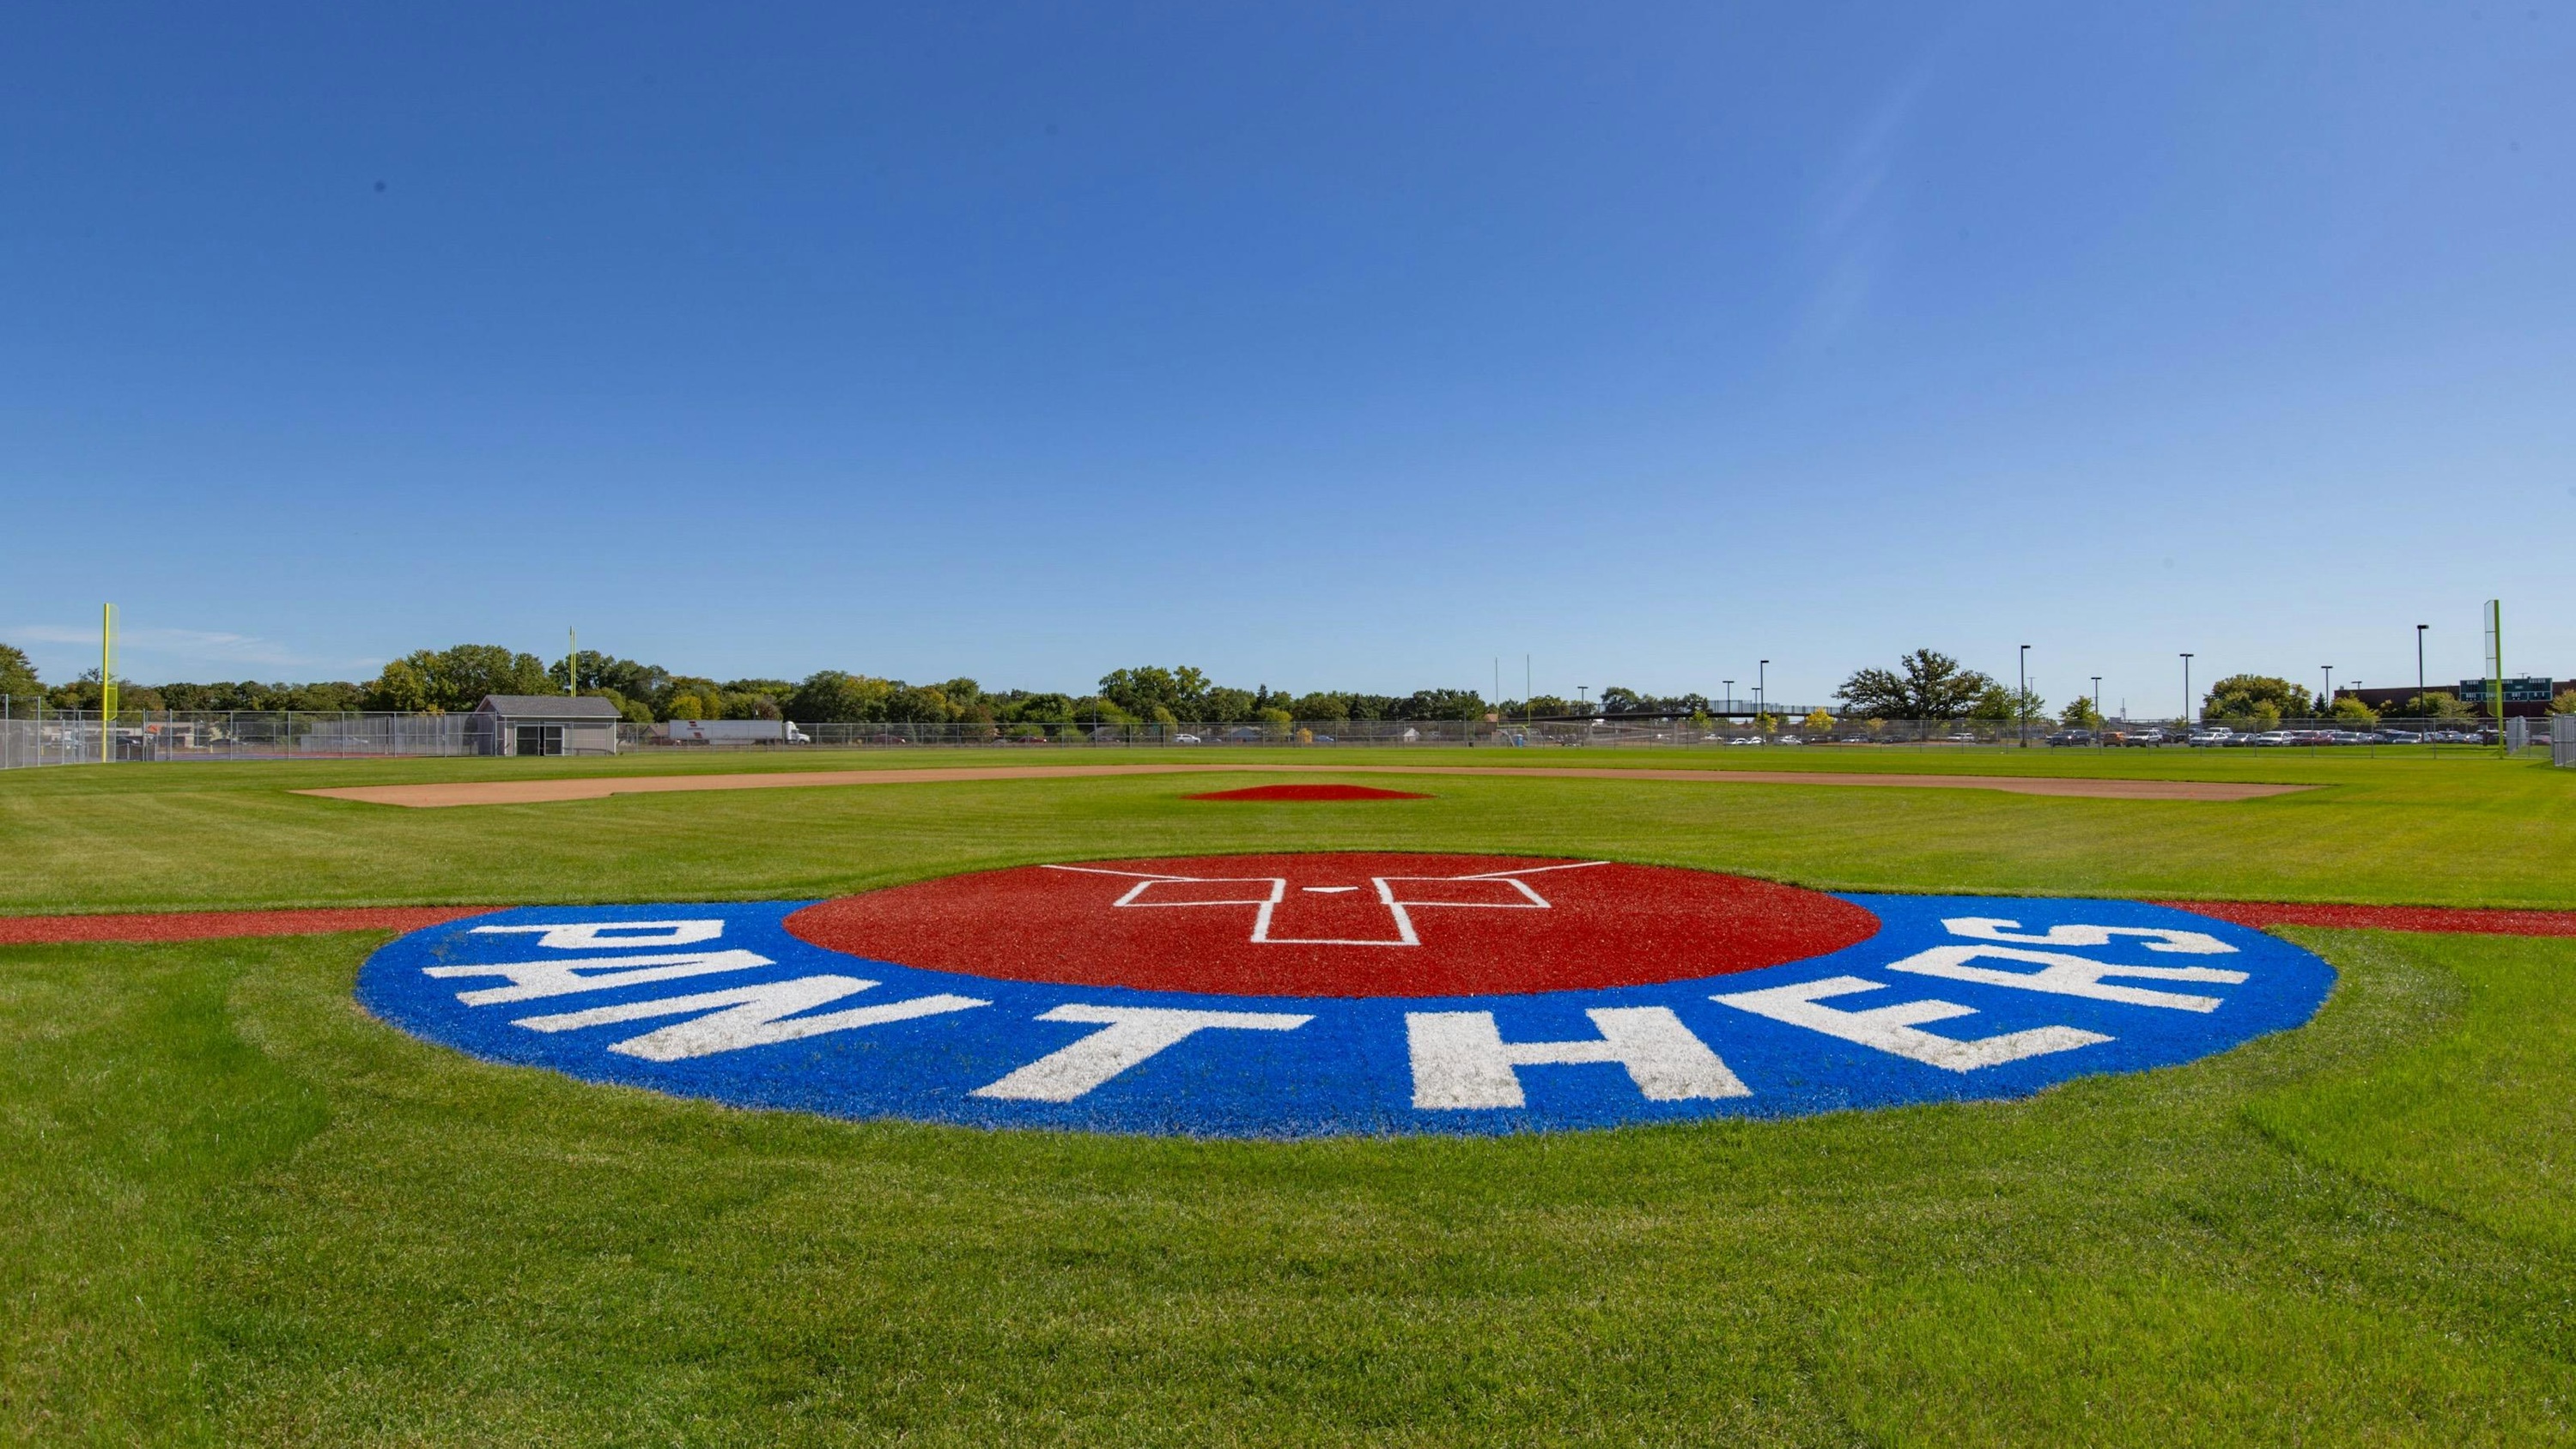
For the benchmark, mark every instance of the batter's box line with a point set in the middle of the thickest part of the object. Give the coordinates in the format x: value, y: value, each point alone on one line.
x: 1267, y: 905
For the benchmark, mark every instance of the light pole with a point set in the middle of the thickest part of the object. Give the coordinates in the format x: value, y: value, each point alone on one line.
x: 1760, y: 703
x: 2021, y: 702
x: 2097, y: 709
x: 2186, y: 691
x: 1581, y: 693
x: 2325, y: 702
x: 1730, y: 696
x: 2419, y: 669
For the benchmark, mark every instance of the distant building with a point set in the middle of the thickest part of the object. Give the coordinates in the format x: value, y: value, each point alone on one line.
x: 2526, y: 697
x: 544, y: 724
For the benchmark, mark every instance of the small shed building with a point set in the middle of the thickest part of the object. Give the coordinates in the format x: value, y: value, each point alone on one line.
x: 544, y: 724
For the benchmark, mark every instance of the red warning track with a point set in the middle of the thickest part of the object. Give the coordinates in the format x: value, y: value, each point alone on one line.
x: 213, y: 925
x: 1308, y: 792
x: 1340, y: 924
x: 2447, y: 920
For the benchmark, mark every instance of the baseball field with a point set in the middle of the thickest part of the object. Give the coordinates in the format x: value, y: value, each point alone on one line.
x: 238, y: 1206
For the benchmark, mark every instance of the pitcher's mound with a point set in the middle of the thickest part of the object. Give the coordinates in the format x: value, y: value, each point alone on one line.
x: 1308, y: 792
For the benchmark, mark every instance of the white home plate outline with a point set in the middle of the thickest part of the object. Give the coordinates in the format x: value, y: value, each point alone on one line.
x: 1267, y: 904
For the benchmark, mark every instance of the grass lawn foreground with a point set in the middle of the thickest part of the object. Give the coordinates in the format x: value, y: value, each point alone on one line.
x: 238, y: 1210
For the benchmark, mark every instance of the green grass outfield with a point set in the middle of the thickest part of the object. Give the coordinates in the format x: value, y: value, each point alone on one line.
x: 2459, y: 829
x: 236, y: 1210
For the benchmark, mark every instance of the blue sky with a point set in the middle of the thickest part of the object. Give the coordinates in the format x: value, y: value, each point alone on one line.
x: 1315, y: 346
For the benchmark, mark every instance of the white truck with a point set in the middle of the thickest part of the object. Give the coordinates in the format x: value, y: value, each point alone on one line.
x: 734, y: 732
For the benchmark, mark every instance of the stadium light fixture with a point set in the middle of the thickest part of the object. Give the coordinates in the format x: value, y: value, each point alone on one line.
x: 2419, y: 668
x: 2021, y: 702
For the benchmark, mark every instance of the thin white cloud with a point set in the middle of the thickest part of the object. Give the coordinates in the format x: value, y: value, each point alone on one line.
x: 1855, y: 210
x: 174, y: 653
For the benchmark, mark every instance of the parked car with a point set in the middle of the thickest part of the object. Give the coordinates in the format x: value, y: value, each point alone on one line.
x: 2277, y: 737
x: 2136, y: 739
x: 2212, y: 738
x: 1186, y: 739
x: 2071, y: 737
x: 1745, y: 740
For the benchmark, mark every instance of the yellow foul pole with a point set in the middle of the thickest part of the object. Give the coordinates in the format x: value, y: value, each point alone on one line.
x: 106, y: 679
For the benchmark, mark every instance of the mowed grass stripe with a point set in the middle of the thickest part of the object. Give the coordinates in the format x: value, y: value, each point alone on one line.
x: 239, y: 1211
x: 2449, y: 832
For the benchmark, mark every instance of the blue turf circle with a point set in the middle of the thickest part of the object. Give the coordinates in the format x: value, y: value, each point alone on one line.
x: 1957, y: 998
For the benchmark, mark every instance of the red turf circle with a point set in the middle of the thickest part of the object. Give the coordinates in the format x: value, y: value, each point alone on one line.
x: 1339, y: 924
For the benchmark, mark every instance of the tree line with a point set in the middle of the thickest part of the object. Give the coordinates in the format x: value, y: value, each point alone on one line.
x: 1925, y: 684
x: 455, y: 679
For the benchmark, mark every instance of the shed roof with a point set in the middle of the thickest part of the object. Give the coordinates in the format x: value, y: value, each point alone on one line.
x: 547, y: 706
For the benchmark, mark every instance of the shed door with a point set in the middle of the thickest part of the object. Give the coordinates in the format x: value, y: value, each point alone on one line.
x: 540, y: 740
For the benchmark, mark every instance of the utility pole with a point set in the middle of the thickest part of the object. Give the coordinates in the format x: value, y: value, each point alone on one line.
x: 1761, y: 698
x: 2021, y: 702
x: 2419, y: 668
x: 2325, y: 701
x: 572, y: 663
x: 2098, y: 720
x: 1730, y: 698
x: 2186, y: 691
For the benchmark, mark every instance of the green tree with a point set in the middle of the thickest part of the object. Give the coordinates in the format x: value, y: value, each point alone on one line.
x: 1179, y: 692
x: 404, y: 686
x: 1994, y: 702
x: 832, y: 696
x: 1819, y: 720
x: 1054, y: 709
x: 918, y: 704
x: 2565, y: 703
x: 2351, y: 711
x: 1429, y: 704
x: 634, y: 711
x: 1926, y: 684
x: 1228, y: 706
x: 457, y: 678
x: 18, y: 682
x: 631, y: 680
x: 1321, y: 707
x: 749, y: 704
x: 2079, y: 714
x: 2241, y: 696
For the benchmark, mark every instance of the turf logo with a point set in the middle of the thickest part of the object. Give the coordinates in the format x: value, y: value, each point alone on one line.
x: 1307, y: 995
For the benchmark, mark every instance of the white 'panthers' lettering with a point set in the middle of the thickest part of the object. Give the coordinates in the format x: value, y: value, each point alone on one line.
x: 747, y: 1016
x: 1461, y: 1061
x: 532, y: 979
x: 1127, y: 1035
x: 595, y: 935
x: 1892, y: 1028
x: 2065, y: 975
x: 2156, y: 938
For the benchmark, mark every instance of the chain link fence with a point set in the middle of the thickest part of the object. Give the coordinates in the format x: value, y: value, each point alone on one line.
x: 75, y: 737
